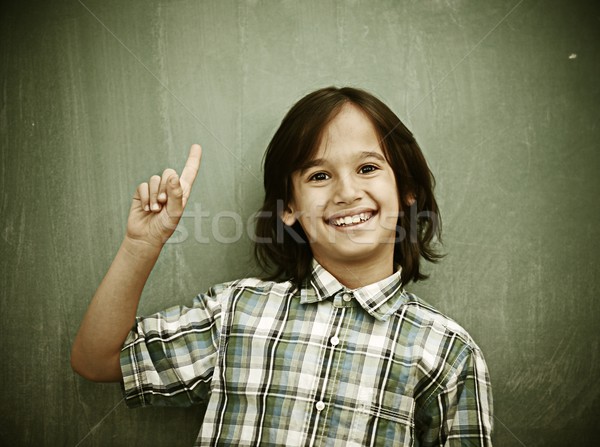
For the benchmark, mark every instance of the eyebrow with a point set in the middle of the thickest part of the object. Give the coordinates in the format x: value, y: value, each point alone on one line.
x: 377, y: 155
x: 319, y: 161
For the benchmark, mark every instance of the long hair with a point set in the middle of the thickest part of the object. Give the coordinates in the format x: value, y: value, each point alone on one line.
x: 284, y: 252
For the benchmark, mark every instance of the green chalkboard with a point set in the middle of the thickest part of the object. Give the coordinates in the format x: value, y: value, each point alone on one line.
x: 99, y: 95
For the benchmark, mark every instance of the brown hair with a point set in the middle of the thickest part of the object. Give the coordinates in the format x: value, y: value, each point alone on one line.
x: 283, y: 251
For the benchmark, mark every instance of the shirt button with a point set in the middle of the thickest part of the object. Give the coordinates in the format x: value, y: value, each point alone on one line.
x: 334, y: 340
x: 320, y: 405
x: 346, y: 297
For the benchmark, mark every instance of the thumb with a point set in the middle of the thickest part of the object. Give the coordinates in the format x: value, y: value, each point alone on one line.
x: 174, y: 197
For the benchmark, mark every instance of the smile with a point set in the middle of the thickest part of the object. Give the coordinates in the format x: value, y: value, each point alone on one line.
x: 347, y: 221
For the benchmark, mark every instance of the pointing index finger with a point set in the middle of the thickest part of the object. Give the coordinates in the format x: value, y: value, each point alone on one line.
x: 192, y: 164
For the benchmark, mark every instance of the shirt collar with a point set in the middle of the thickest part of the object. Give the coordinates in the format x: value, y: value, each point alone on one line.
x: 380, y: 299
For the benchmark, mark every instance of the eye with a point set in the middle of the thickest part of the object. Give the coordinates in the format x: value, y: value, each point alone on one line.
x: 367, y: 169
x: 318, y: 177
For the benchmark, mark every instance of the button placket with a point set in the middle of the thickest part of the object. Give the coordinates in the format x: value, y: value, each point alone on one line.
x: 333, y: 340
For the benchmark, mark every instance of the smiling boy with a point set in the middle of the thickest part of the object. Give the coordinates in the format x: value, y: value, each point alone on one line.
x: 347, y: 203
x: 331, y: 349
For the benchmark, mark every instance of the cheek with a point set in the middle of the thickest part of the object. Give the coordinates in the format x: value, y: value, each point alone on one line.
x: 394, y: 195
x: 312, y: 202
x: 387, y: 192
x: 392, y: 208
x: 310, y: 215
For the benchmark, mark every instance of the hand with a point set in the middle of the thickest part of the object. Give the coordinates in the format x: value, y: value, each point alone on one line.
x: 158, y: 204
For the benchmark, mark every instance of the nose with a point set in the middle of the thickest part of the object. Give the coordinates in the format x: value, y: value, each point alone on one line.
x: 347, y: 189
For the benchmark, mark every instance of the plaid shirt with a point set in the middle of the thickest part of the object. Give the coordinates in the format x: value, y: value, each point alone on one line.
x: 313, y: 365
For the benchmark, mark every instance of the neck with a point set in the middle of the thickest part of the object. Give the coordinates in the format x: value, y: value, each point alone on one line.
x: 355, y: 274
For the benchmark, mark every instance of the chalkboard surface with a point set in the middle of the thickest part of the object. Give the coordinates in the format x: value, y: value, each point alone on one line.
x: 98, y: 95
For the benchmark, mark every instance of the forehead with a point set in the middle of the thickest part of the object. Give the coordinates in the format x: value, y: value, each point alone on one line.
x: 350, y: 131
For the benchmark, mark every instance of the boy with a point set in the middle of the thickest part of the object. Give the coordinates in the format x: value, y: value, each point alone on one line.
x: 331, y: 350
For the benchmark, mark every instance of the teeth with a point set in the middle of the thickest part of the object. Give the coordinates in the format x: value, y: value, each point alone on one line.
x: 350, y: 220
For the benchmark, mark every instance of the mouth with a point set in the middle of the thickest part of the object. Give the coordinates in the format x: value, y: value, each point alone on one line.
x: 351, y: 219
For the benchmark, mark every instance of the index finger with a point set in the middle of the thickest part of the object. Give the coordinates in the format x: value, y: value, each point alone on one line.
x: 192, y: 164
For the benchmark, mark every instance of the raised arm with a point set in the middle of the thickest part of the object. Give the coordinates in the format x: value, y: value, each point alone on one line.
x: 156, y: 209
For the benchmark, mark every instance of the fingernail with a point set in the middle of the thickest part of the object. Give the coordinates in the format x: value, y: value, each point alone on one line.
x: 162, y: 196
x: 155, y: 207
x: 146, y: 208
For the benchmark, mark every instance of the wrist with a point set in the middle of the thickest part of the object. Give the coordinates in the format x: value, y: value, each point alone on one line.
x: 140, y: 249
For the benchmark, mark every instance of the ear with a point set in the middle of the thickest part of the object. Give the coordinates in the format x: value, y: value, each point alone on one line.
x: 288, y: 216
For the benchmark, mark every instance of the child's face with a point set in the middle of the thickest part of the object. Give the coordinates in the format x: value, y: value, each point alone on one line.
x: 346, y: 198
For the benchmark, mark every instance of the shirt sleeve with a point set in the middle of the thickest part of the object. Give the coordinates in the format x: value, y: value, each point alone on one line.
x: 459, y: 413
x: 169, y: 358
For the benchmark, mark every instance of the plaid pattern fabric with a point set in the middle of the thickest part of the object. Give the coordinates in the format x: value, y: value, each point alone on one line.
x: 314, y: 365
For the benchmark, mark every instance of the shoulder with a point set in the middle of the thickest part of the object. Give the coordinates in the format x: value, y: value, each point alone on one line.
x: 443, y: 346
x: 424, y: 315
x: 446, y: 352
x: 452, y: 374
x: 254, y: 287
x: 246, y: 302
